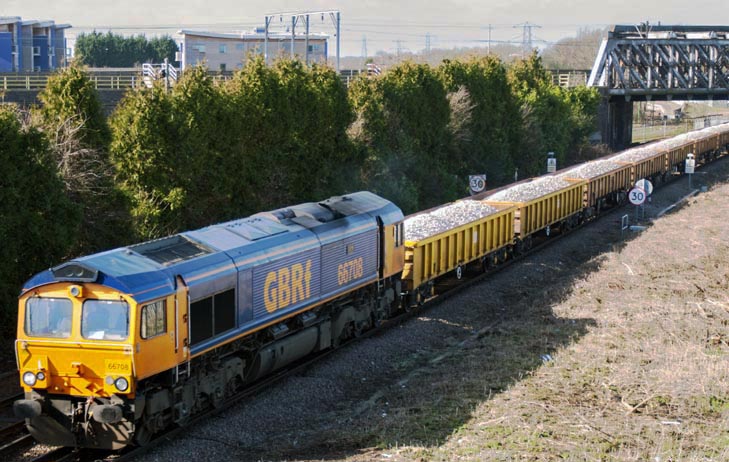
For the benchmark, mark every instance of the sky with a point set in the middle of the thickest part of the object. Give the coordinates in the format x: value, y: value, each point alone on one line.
x: 374, y: 25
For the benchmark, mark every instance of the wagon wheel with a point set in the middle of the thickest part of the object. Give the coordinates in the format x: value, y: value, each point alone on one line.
x: 459, y: 272
x: 485, y: 263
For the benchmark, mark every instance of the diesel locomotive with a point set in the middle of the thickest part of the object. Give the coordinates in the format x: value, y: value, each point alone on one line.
x: 116, y: 346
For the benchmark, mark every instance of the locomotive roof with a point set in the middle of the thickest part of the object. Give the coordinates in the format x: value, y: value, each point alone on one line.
x: 148, y: 270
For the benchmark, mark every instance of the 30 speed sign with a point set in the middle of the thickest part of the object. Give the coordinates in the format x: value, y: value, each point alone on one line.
x: 477, y: 183
x: 636, y: 196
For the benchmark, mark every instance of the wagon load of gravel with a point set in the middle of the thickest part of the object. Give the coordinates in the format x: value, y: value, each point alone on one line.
x: 591, y: 170
x: 525, y: 192
x: 445, y: 218
x: 637, y: 154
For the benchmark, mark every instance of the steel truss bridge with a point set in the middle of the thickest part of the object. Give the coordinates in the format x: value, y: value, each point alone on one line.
x: 646, y: 62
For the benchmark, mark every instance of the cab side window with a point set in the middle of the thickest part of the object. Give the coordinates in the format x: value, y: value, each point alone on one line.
x: 154, y: 319
x: 398, y: 230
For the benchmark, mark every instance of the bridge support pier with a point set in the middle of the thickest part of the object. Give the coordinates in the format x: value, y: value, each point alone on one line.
x: 616, y: 122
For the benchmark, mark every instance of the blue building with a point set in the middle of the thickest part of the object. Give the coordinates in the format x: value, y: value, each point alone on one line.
x: 31, y: 46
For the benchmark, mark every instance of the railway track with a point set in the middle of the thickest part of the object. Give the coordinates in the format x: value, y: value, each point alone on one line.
x: 14, y: 436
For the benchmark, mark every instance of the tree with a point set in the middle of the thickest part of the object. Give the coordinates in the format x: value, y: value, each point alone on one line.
x: 70, y: 95
x: 79, y: 136
x: 402, y: 126
x: 577, y: 53
x: 38, y: 223
x: 204, y: 153
x: 545, y: 116
x: 112, y: 50
x: 494, y: 120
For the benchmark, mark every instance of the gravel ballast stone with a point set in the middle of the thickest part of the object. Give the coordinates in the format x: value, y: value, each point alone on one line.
x: 525, y: 192
x: 591, y: 170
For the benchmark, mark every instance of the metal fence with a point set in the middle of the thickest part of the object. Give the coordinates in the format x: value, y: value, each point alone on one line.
x: 112, y: 80
x: 38, y: 81
x: 659, y: 130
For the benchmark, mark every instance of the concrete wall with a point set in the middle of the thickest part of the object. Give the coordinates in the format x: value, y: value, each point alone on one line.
x: 616, y: 122
x: 27, y: 98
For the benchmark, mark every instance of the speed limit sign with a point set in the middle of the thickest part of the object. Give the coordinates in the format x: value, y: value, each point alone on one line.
x: 636, y: 196
x: 477, y: 183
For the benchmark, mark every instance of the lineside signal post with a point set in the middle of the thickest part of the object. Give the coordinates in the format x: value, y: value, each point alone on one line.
x: 690, y: 166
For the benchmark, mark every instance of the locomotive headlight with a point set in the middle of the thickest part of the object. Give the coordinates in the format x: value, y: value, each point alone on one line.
x: 41, y: 376
x: 29, y: 378
x: 121, y: 384
x: 76, y: 291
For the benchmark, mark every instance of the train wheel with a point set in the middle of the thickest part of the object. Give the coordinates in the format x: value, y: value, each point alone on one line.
x: 566, y: 226
x: 142, y: 435
x: 459, y: 272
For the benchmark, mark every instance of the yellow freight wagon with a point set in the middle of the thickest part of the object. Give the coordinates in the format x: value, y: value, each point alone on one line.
x: 604, y: 179
x: 708, y: 143
x: 724, y: 137
x: 677, y: 155
x: 538, y: 212
x: 645, y: 162
x: 433, y: 256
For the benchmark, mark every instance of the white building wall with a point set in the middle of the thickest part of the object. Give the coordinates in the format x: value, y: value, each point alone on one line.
x: 231, y: 53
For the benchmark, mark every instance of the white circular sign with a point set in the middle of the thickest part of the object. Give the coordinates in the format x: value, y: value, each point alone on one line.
x: 645, y: 185
x: 637, y: 196
x: 477, y: 183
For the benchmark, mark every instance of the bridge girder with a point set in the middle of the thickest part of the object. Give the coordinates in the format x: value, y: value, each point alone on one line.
x: 664, y: 62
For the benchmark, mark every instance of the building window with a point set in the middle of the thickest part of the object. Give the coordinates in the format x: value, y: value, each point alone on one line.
x: 36, y: 51
x: 199, y: 48
x: 222, y: 67
x: 223, y: 48
x: 240, y: 46
x: 154, y: 321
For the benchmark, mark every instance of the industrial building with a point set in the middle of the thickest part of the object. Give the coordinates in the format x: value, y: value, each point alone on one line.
x: 31, y: 46
x: 228, y: 52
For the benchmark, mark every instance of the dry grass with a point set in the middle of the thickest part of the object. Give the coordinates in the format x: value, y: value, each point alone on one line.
x: 638, y: 365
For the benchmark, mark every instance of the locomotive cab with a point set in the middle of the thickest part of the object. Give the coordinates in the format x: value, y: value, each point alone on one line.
x: 77, y: 351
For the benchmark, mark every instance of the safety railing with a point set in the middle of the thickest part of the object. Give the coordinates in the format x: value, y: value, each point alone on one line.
x: 40, y: 81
